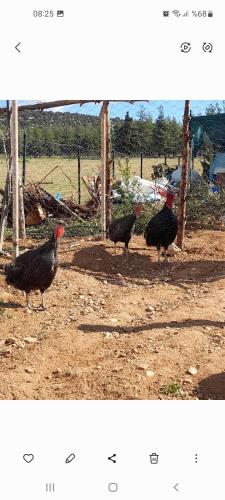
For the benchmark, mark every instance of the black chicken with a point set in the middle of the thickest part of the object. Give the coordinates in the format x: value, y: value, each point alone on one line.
x: 36, y: 268
x: 161, y: 230
x: 123, y: 228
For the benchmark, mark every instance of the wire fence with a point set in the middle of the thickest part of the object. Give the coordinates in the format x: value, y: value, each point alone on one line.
x: 61, y: 167
x: 74, y: 162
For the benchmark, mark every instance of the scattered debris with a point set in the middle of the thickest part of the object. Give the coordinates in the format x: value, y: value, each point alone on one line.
x: 192, y: 371
x: 39, y: 204
x: 149, y: 373
x: 30, y: 340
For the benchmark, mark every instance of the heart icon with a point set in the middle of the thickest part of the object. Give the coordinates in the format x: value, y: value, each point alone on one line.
x: 28, y: 457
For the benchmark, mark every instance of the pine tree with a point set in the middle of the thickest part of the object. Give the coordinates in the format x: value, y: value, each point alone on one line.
x: 126, y: 137
x: 159, y: 133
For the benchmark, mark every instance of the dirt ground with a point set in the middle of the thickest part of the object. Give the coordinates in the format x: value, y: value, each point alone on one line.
x: 120, y: 328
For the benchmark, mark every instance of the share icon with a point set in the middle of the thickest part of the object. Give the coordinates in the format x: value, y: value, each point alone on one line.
x: 113, y: 458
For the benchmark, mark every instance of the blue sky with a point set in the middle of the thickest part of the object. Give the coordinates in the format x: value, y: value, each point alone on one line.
x: 171, y: 108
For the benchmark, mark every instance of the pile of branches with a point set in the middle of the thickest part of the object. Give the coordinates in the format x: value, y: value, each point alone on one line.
x: 39, y: 204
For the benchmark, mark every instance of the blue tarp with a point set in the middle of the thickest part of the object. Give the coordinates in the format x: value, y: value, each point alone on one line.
x: 217, y: 166
x: 208, y: 128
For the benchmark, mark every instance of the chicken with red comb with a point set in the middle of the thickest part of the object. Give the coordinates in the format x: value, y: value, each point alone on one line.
x: 123, y: 228
x: 161, y: 230
x: 36, y: 268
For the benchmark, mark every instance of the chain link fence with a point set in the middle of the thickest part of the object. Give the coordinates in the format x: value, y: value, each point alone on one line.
x: 62, y: 167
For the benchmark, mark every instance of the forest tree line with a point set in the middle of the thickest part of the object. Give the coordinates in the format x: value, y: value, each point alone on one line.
x: 61, y: 134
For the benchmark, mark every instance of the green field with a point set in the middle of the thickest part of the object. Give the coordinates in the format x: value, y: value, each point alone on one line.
x: 64, y: 178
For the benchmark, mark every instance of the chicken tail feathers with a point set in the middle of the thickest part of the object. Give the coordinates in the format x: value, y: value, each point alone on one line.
x: 12, y: 272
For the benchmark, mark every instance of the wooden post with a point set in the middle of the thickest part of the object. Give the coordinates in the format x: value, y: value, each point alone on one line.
x: 113, y: 163
x: 78, y: 176
x: 105, y: 173
x: 24, y: 157
x: 141, y: 166
x: 190, y: 162
x: 21, y: 192
x: 15, y: 176
x: 7, y: 190
x: 22, y: 224
x: 184, y: 177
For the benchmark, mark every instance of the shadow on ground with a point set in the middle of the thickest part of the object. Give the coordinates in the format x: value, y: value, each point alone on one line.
x: 189, y: 323
x: 9, y: 305
x: 98, y: 261
x: 212, y: 387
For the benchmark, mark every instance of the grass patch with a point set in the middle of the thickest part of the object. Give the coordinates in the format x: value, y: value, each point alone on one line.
x: 37, y: 168
x: 171, y: 389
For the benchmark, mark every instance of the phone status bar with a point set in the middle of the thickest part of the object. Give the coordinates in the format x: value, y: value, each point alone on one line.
x: 38, y: 13
x: 200, y: 14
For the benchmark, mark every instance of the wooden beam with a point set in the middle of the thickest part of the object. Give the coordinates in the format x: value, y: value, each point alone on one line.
x: 15, y: 175
x: 184, y: 177
x: 105, y: 172
x: 8, y: 182
x: 55, y: 104
x: 46, y: 105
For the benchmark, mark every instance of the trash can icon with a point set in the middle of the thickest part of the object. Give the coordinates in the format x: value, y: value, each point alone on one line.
x: 154, y: 458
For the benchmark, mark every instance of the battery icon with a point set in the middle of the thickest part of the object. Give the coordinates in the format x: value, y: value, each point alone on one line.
x: 210, y: 13
x: 60, y: 13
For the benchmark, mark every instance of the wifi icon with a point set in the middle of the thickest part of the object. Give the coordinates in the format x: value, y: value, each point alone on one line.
x: 176, y: 13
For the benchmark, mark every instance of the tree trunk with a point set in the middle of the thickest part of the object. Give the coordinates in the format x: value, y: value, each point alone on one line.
x: 184, y: 177
x: 105, y: 174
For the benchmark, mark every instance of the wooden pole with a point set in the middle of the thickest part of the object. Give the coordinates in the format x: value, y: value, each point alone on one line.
x: 190, y: 163
x: 141, y: 173
x: 22, y: 224
x: 113, y: 163
x: 184, y: 177
x: 15, y: 176
x: 78, y: 176
x: 7, y: 191
x: 105, y: 172
x: 24, y: 157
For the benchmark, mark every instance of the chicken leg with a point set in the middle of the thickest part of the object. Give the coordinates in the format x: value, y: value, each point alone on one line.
x: 158, y: 251
x: 42, y: 306
x: 126, y: 251
x: 28, y: 304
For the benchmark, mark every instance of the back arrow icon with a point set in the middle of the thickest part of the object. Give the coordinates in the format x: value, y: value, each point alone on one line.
x: 176, y: 486
x: 16, y: 47
x: 112, y: 458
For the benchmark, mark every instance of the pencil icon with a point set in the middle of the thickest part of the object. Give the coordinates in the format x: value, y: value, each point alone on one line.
x: 70, y: 458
